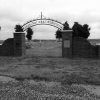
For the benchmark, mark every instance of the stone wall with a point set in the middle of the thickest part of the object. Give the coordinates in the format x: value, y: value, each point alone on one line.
x: 82, y: 48
x: 13, y: 46
x: 78, y: 47
x: 7, y: 48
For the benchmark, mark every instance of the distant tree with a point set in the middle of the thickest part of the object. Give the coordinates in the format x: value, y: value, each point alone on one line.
x: 86, y: 30
x: 0, y: 27
x: 58, y: 34
x: 80, y: 31
x: 29, y: 34
x: 18, y: 28
x: 77, y: 29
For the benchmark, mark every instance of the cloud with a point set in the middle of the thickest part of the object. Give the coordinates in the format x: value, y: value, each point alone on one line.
x: 10, y: 15
x: 20, y: 11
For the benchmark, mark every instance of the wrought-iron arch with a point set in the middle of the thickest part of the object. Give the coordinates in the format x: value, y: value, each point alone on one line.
x: 42, y: 21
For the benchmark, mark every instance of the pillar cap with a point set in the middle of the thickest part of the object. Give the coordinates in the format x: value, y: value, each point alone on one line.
x: 19, y: 32
x: 66, y: 30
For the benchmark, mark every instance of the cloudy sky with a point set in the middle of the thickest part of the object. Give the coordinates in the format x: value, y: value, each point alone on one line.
x: 14, y: 12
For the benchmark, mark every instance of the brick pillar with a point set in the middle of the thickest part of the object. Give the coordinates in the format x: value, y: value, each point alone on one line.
x: 19, y: 44
x: 98, y: 51
x: 67, y: 43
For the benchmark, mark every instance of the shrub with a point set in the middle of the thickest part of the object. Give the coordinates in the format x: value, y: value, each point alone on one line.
x: 18, y: 28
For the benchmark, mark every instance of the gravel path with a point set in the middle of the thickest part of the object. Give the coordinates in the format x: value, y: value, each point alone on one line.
x: 31, y: 90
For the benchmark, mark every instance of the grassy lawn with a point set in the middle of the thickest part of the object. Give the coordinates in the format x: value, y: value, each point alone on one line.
x: 43, y: 68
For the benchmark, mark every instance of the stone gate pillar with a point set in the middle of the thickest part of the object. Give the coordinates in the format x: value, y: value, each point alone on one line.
x: 19, y: 43
x: 67, y: 43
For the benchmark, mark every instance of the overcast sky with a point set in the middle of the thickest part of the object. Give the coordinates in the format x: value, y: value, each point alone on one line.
x: 14, y: 12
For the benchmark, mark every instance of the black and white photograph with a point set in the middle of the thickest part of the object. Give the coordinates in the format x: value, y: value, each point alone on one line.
x: 49, y: 49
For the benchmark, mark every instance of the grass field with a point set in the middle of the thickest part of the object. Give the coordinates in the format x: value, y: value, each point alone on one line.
x: 43, y: 73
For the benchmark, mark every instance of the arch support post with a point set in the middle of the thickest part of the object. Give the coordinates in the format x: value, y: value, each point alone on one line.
x: 67, y: 43
x: 19, y: 43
